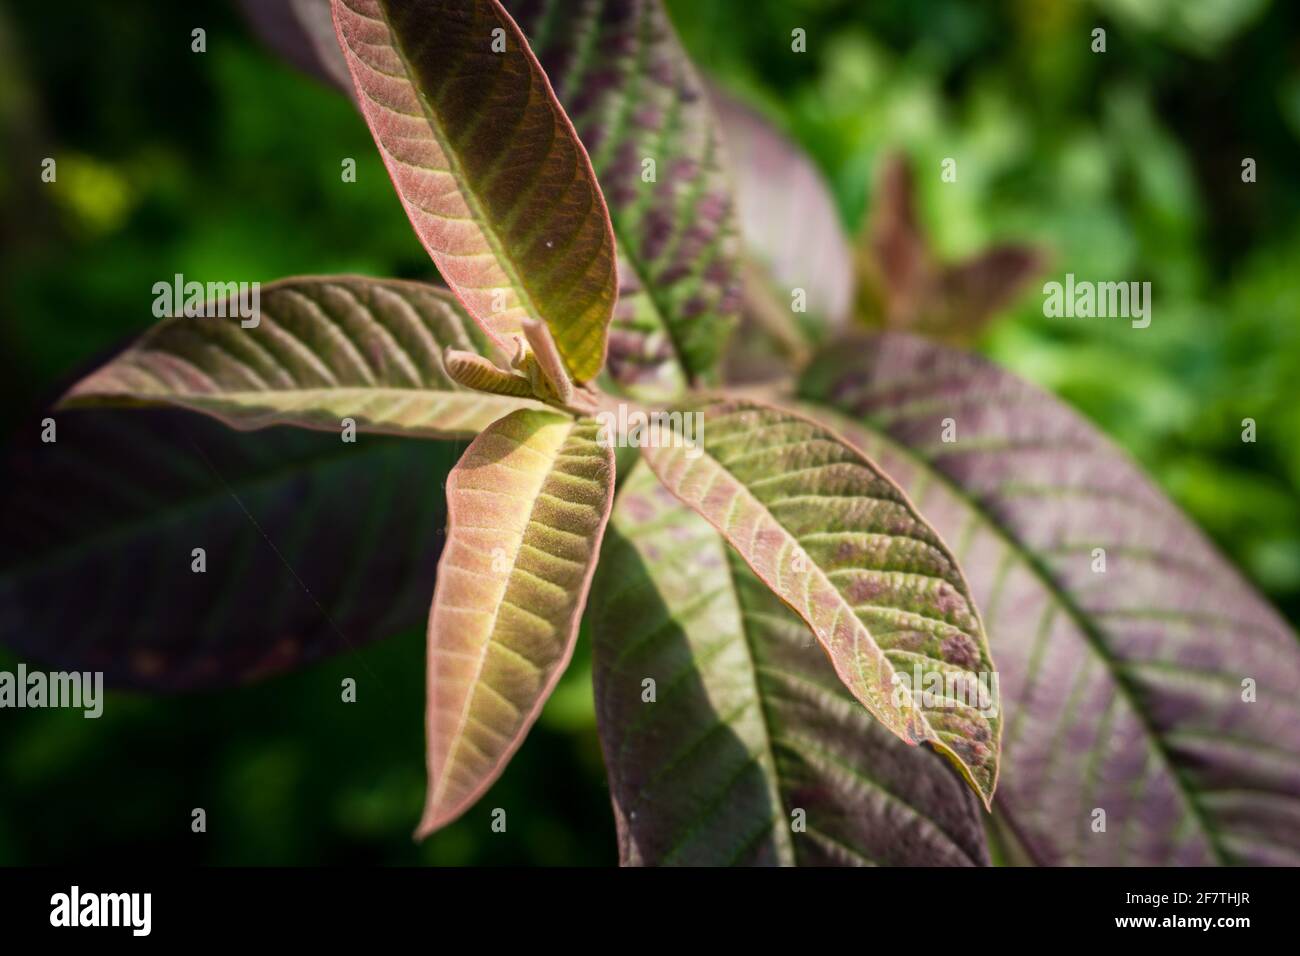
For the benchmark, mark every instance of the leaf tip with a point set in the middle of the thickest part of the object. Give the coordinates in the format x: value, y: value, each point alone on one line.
x: 982, y: 779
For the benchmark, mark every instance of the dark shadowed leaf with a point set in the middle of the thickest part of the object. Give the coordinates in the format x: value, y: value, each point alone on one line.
x: 96, y: 562
x: 302, y: 31
x: 636, y: 101
x: 322, y: 350
x: 1162, y: 690
x: 905, y: 287
x: 751, y: 751
x: 488, y: 167
x: 838, y: 542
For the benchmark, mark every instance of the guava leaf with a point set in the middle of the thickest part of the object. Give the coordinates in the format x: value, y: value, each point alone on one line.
x: 642, y: 359
x: 495, y: 181
x: 678, y: 277
x: 749, y: 750
x: 1161, y: 690
x: 311, y: 546
x: 642, y: 111
x: 322, y: 350
x: 302, y: 31
x: 906, y: 288
x: 840, y: 544
x: 527, y: 504
x: 787, y: 218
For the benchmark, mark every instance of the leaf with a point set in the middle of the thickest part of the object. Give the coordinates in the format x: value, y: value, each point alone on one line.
x: 301, y: 31
x: 749, y: 724
x: 844, y: 548
x: 323, y: 349
x: 643, y: 360
x: 905, y: 287
x: 312, y: 546
x: 496, y: 184
x: 528, y: 504
x: 476, y: 372
x: 787, y: 216
x: 1123, y: 689
x: 634, y: 97
x: 673, y: 315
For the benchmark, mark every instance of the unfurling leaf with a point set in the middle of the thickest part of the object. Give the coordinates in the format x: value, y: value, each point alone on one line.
x: 638, y: 105
x: 905, y: 287
x: 489, y: 169
x: 750, y: 730
x: 311, y: 547
x: 1122, y: 681
x: 844, y: 548
x: 321, y: 350
x: 527, y: 507
x: 476, y: 372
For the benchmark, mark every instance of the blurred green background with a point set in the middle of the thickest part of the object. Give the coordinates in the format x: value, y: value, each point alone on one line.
x: 1126, y: 164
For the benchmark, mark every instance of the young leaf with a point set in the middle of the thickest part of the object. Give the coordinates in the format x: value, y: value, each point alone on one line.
x: 678, y: 280
x: 904, y: 285
x: 844, y: 548
x: 528, y: 504
x: 309, y: 546
x: 1141, y: 675
x: 744, y: 748
x: 496, y: 183
x: 322, y: 350
x: 476, y: 372
x: 637, y: 103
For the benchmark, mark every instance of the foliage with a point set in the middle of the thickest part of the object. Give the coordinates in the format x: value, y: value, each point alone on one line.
x: 786, y: 519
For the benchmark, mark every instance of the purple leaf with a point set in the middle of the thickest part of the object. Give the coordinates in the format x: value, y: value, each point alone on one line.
x: 311, y: 546
x: 302, y: 31
x: 787, y: 216
x: 1142, y: 676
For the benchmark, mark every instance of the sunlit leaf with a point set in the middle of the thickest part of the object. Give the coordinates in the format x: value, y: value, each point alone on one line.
x: 528, y: 504
x: 321, y: 350
x: 637, y: 103
x: 840, y: 544
x: 310, y: 546
x: 1141, y: 676
x: 678, y: 280
x: 496, y: 183
x: 727, y: 736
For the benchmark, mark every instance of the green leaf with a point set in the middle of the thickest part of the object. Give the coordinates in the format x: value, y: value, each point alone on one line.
x: 322, y: 349
x: 841, y: 545
x: 1140, y: 674
x: 635, y: 99
x: 751, y: 751
x: 528, y: 505
x: 496, y: 183
x: 311, y: 546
